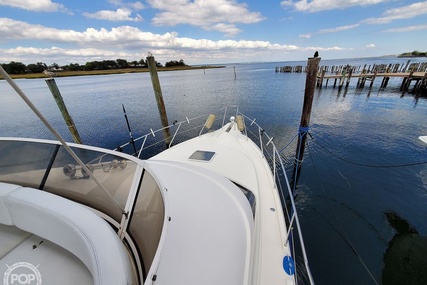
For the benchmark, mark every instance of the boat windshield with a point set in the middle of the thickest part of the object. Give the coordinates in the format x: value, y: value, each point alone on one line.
x: 49, y: 167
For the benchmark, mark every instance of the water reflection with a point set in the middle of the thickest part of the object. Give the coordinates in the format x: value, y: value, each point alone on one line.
x: 406, y: 255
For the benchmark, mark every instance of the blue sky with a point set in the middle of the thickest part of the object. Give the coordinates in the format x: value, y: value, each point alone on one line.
x: 208, y: 31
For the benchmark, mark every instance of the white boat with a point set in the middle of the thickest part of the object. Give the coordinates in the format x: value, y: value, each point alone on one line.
x: 209, y: 210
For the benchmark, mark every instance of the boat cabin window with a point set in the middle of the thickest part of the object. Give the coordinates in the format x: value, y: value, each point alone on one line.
x: 250, y: 196
x: 147, y: 219
x: 202, y: 155
x: 49, y: 167
x: 24, y: 163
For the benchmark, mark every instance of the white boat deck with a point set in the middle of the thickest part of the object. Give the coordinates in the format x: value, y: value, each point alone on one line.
x: 50, y: 259
x: 229, y: 146
x: 36, y: 224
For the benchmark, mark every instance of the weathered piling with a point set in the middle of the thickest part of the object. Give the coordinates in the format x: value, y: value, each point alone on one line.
x: 60, y: 102
x: 373, y: 79
x: 350, y: 72
x: 288, y: 69
x: 310, y: 85
x: 159, y: 97
x: 321, y: 77
x: 406, y: 82
x: 385, y: 81
x: 422, y: 83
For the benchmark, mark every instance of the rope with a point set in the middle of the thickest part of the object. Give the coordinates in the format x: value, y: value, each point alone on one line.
x: 362, y: 164
x: 283, y: 148
x: 302, y: 131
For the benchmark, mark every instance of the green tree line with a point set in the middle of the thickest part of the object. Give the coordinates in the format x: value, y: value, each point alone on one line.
x: 414, y: 53
x: 20, y: 68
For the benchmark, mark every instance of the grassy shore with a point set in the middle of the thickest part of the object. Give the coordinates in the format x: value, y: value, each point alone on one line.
x: 110, y: 71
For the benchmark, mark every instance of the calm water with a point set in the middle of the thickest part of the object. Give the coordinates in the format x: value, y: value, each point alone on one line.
x: 342, y: 194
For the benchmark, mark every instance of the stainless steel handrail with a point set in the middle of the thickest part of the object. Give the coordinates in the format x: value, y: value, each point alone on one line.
x: 293, y: 218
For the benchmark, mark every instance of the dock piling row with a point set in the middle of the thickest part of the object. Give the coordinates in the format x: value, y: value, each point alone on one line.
x: 410, y: 73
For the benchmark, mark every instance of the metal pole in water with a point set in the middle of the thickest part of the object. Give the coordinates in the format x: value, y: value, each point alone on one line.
x: 130, y: 132
x: 159, y: 97
x: 60, y: 102
x: 310, y: 84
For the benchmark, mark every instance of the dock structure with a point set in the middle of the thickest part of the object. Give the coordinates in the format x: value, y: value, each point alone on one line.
x: 420, y: 79
x: 409, y: 73
x: 342, y: 75
x: 288, y: 68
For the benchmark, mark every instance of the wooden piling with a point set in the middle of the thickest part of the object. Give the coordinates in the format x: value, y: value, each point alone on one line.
x: 406, y: 66
x: 406, y: 82
x: 61, y: 105
x: 349, y: 77
x: 385, y: 82
x: 310, y: 85
x: 321, y: 78
x: 159, y: 97
x: 422, y: 84
x: 373, y: 79
x: 342, y: 79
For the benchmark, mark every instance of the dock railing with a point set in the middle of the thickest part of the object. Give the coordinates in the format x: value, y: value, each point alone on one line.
x: 153, y: 142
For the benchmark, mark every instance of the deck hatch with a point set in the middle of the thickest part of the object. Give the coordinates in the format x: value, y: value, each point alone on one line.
x: 202, y: 155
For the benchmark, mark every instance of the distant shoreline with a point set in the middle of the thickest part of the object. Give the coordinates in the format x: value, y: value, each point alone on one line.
x: 412, y: 56
x: 108, y: 71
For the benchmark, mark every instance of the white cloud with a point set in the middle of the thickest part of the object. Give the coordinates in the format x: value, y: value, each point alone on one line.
x: 219, y: 15
x: 57, y: 54
x: 121, y: 14
x: 228, y: 29
x: 135, y: 6
x: 125, y: 36
x: 371, y: 46
x: 338, y: 29
x: 332, y: 30
x: 130, y: 43
x: 35, y: 5
x: 321, y: 5
x: 404, y: 12
x: 407, y: 29
x: 38, y: 6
